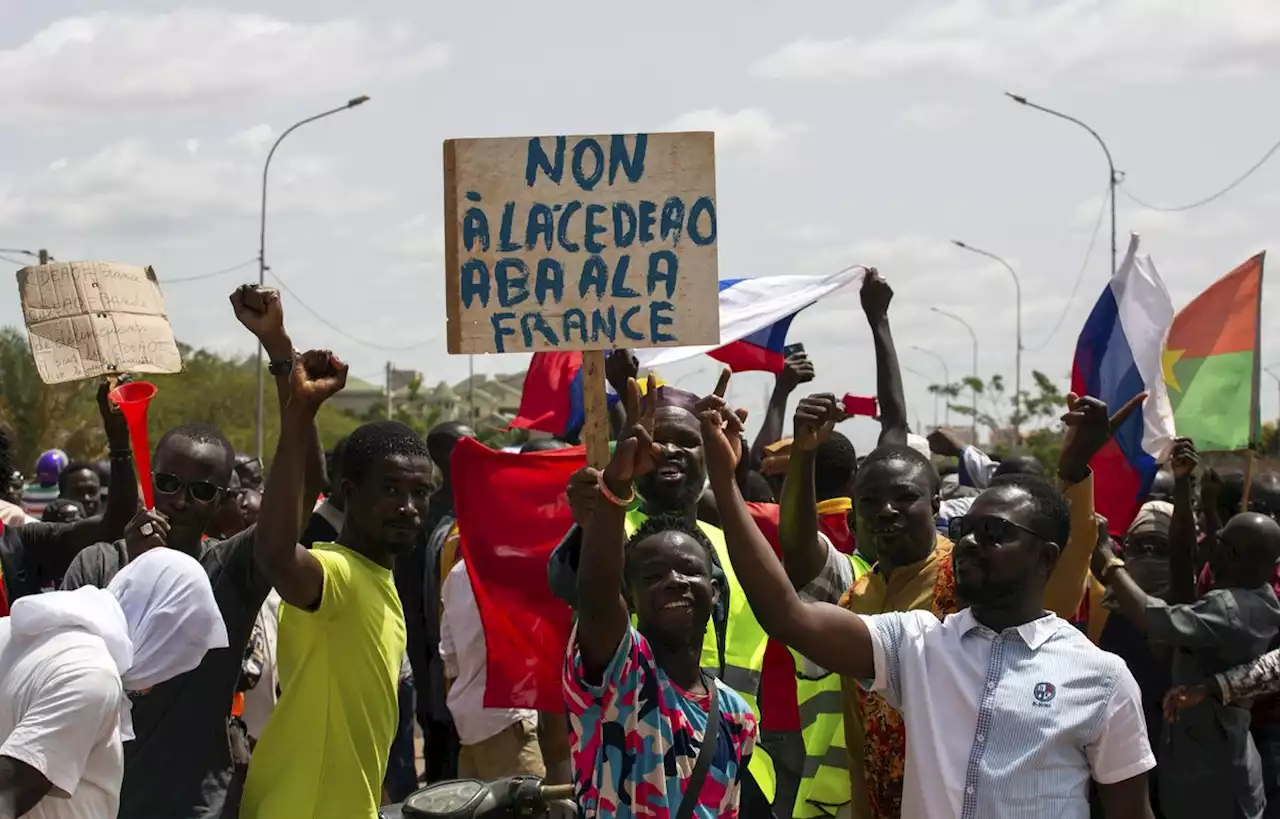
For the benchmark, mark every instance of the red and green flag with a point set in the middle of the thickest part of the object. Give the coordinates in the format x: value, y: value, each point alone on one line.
x: 1211, y: 362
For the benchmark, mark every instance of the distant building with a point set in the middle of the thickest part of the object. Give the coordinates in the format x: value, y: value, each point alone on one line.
x: 481, y: 400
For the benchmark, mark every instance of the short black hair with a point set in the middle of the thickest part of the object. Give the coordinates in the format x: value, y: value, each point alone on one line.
x: 441, y: 440
x: 904, y: 454
x: 543, y: 445
x: 671, y: 522
x: 372, y: 442
x: 202, y: 433
x: 834, y: 463
x: 1019, y: 465
x: 73, y: 467
x: 1051, y: 511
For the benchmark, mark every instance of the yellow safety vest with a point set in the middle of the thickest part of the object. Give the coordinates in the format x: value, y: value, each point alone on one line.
x: 745, y: 643
x: 824, y: 784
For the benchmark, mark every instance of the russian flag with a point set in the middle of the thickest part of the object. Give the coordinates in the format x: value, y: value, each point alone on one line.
x: 1118, y: 357
x: 754, y: 317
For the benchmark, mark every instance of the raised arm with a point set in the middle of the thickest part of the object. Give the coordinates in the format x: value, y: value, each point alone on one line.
x: 1089, y: 426
x: 294, y: 571
x: 1182, y: 528
x: 830, y: 636
x: 65, y: 542
x: 796, y: 371
x: 603, y: 617
x: 260, y: 310
x: 876, y: 295
x: 803, y: 553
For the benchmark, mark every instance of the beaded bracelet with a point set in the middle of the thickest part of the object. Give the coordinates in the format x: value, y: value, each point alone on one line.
x: 612, y: 498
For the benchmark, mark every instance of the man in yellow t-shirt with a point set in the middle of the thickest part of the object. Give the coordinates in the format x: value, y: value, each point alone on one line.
x: 324, y: 752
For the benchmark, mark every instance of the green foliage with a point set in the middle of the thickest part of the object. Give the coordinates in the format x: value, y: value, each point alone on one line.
x: 995, y: 410
x: 212, y: 389
x: 416, y: 411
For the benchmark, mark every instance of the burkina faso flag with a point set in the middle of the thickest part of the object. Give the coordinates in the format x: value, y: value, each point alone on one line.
x: 1211, y: 362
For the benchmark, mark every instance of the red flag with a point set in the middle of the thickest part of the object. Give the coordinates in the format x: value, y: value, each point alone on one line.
x: 551, y: 400
x: 512, y: 512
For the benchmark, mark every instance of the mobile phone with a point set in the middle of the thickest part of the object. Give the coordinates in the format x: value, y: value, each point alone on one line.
x: 860, y: 405
x: 792, y: 349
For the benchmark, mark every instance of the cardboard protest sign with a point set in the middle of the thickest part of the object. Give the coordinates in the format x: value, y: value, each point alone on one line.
x: 87, y: 319
x: 580, y: 242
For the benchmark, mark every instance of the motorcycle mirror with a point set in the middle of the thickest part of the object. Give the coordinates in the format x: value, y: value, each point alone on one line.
x: 456, y: 799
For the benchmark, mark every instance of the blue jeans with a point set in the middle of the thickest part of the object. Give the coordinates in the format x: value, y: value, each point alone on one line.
x: 402, y: 773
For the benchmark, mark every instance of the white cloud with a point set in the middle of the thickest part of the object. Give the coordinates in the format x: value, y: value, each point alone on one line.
x: 932, y: 116
x: 192, y: 145
x: 254, y: 140
x: 198, y: 60
x: 750, y: 130
x: 137, y: 187
x: 1137, y: 40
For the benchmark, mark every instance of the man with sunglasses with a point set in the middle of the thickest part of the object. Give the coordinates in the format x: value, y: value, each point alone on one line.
x: 1209, y: 764
x: 1011, y: 711
x: 182, y: 764
x: 896, y: 500
x: 35, y: 555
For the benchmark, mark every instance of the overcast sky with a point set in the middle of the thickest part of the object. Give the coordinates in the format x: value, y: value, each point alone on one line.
x: 846, y: 133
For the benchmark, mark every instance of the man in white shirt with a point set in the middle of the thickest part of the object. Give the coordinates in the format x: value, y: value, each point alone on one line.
x: 496, y: 742
x: 1009, y: 710
x: 69, y: 659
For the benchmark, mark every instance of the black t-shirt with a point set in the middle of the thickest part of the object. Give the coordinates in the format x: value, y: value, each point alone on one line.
x: 179, y: 766
x: 32, y: 557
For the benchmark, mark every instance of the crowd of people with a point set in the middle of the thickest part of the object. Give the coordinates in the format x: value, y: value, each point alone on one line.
x: 773, y: 628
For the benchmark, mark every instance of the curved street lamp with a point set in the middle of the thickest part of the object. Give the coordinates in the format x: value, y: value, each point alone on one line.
x: 262, y: 247
x: 1113, y: 177
x: 1017, y: 366
x: 973, y: 387
x: 946, y: 375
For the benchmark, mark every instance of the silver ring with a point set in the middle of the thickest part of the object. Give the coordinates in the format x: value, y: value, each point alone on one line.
x: 147, y: 529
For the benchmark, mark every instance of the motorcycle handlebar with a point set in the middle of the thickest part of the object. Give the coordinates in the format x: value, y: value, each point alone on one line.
x: 554, y: 793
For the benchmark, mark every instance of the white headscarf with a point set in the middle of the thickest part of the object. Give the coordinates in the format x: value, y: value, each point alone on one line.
x: 157, y: 617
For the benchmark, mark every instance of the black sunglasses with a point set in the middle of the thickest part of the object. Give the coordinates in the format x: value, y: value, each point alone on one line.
x: 988, y: 529
x: 199, y: 491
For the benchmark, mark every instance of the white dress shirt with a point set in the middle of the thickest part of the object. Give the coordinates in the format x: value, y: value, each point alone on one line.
x: 463, y: 650
x: 1010, y: 725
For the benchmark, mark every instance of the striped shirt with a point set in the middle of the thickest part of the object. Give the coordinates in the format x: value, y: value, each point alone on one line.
x: 1010, y: 725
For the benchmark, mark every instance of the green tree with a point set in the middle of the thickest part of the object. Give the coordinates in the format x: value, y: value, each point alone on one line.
x: 212, y: 388
x: 999, y: 412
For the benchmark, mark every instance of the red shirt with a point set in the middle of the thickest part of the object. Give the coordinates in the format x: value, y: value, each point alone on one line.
x: 779, y: 706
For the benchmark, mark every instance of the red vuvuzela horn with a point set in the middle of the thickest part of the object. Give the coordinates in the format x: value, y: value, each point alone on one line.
x: 132, y: 398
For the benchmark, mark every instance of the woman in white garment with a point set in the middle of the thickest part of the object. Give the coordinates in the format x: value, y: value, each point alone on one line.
x: 69, y: 663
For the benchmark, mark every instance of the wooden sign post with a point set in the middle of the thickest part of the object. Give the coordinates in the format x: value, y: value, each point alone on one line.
x: 588, y: 243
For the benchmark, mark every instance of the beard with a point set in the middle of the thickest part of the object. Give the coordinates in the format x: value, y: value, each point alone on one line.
x: 673, y: 497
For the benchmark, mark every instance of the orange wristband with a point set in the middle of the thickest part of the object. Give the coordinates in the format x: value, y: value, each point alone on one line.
x: 612, y: 498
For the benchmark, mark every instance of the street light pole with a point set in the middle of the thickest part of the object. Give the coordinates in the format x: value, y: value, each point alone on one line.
x: 1113, y: 178
x: 946, y: 374
x: 262, y: 252
x: 973, y: 386
x: 921, y: 375
x: 1017, y: 367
